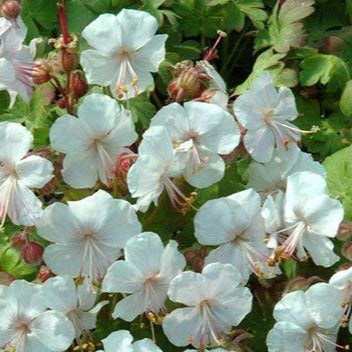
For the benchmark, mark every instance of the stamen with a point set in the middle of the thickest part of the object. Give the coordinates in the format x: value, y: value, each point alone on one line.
x: 211, y: 54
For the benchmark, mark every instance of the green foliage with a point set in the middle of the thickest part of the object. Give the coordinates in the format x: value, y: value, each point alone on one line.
x: 285, y: 30
x: 339, y: 176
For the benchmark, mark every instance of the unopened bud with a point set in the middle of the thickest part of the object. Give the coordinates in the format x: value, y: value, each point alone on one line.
x: 61, y: 102
x: 332, y: 44
x: 10, y: 9
x: 45, y: 273
x: 79, y: 86
x: 195, y: 258
x: 69, y: 60
x: 32, y: 252
x: 297, y: 284
x: 345, y: 230
x: 346, y: 250
x: 41, y: 71
x: 189, y: 82
x: 18, y: 241
x: 124, y: 162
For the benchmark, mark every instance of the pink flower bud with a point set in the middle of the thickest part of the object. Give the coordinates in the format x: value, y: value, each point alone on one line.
x: 10, y: 9
x: 41, y: 71
x: 32, y: 252
x: 45, y: 273
x: 18, y: 241
x: 78, y: 85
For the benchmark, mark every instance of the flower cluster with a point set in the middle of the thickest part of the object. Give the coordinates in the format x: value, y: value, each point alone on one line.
x: 87, y: 205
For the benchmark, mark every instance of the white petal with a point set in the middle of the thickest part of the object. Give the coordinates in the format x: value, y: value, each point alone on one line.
x: 34, y: 171
x: 320, y: 249
x: 118, y: 341
x: 121, y: 224
x: 99, y: 68
x: 24, y: 207
x: 150, y: 56
x: 130, y: 307
x: 174, y: 118
x: 286, y: 109
x: 211, y: 171
x: 104, y: 34
x: 99, y: 114
x: 80, y: 169
x: 65, y: 259
x: 319, y: 298
x: 138, y: 28
x: 341, y: 279
x: 286, y: 337
x: 181, y: 325
x: 172, y: 261
x: 57, y: 224
x: 53, y: 330
x: 60, y: 294
x: 214, y: 222
x: 145, y: 345
x: 187, y: 288
x: 260, y: 144
x: 123, y: 277
x: 68, y: 135
x: 293, y: 308
x: 15, y: 141
x: 145, y: 252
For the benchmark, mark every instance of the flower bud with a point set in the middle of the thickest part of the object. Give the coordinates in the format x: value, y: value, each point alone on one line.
x: 297, y: 284
x: 189, y: 82
x: 69, y: 60
x: 61, y: 102
x: 124, y: 162
x: 195, y: 258
x: 332, y: 45
x: 79, y: 86
x: 10, y: 9
x: 345, y: 230
x: 32, y: 252
x: 6, y: 278
x: 346, y: 250
x: 45, y: 273
x: 41, y: 71
x: 18, y: 241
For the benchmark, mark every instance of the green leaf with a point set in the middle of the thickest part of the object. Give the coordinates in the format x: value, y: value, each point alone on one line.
x: 4, y: 100
x: 339, y: 177
x: 78, y: 16
x: 285, y: 29
x: 97, y: 6
x: 188, y: 50
x: 326, y: 69
x: 253, y: 9
x: 11, y: 262
x: 265, y: 61
x: 346, y: 100
x: 142, y: 111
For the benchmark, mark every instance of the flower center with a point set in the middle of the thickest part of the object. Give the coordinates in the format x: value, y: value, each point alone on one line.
x: 267, y: 115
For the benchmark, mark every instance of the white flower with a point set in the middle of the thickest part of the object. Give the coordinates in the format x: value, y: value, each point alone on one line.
x: 272, y: 176
x: 236, y: 225
x: 310, y: 218
x: 265, y: 113
x: 145, y: 273
x: 76, y: 302
x: 18, y: 174
x: 215, y: 304
x: 153, y: 170
x: 342, y: 281
x: 27, y: 326
x: 16, y: 59
x: 122, y: 341
x: 93, y: 141
x: 125, y: 51
x: 306, y: 321
x: 88, y: 234
x: 217, y: 86
x: 200, y: 132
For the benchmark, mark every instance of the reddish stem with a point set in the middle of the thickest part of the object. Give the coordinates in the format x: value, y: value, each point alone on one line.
x: 63, y: 22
